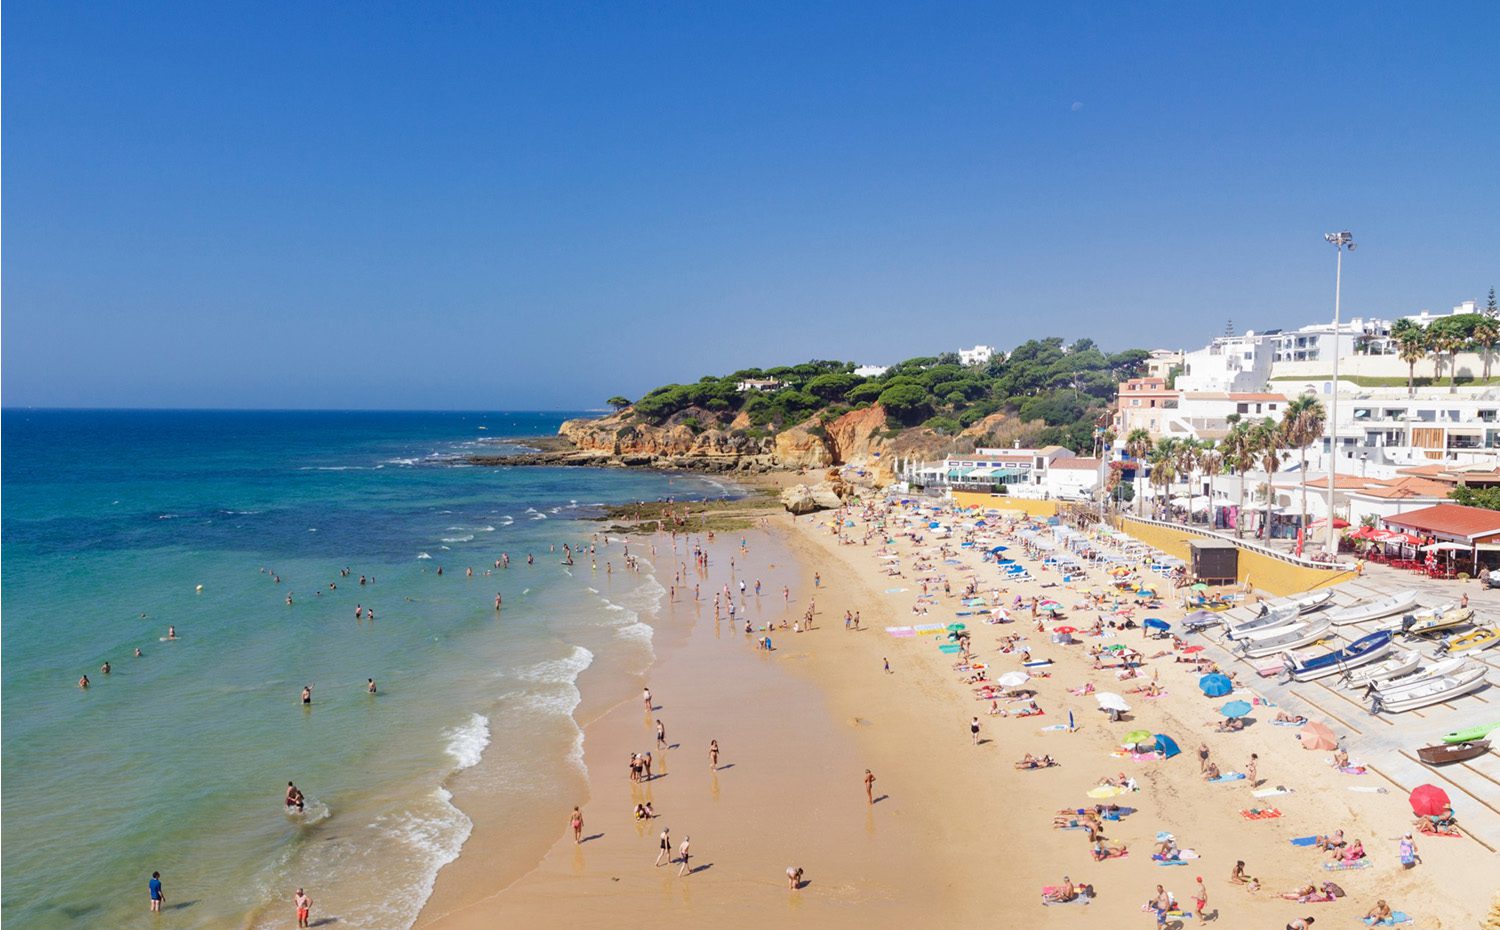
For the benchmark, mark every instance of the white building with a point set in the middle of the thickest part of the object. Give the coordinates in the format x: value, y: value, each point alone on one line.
x: 1050, y: 472
x: 1230, y: 363
x: 979, y: 355
x: 1162, y: 361
x: 759, y: 384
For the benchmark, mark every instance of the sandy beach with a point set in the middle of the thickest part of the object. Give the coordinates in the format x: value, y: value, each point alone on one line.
x: 958, y: 833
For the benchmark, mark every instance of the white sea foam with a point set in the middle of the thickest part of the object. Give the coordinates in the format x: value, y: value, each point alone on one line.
x: 637, y: 632
x: 400, y: 461
x: 467, y: 537
x: 168, y: 516
x: 434, y: 838
x: 554, y: 671
x: 466, y: 742
x: 423, y: 555
x: 538, y: 516
x: 507, y: 521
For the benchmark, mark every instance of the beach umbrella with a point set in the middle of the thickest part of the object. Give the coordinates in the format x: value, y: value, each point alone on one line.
x: 1215, y: 685
x: 1136, y: 737
x: 1166, y: 746
x: 1146, y: 591
x: 1318, y: 736
x: 1235, y: 709
x: 1065, y: 629
x: 1111, y: 701
x: 948, y: 648
x: 1192, y: 648
x: 1116, y: 647
x: 999, y: 548
x: 1429, y: 801
x: 1154, y: 623
x: 1051, y: 608
x: 955, y: 627
x: 1200, y: 586
x: 1012, y: 679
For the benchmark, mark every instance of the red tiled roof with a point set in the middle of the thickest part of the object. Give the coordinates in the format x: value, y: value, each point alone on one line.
x: 1406, y: 488
x: 1471, y: 523
x: 1347, y: 482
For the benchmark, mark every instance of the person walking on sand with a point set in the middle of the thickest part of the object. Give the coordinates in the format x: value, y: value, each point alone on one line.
x: 974, y: 731
x: 661, y: 735
x: 304, y: 907
x: 713, y: 755
x: 646, y: 696
x: 576, y: 822
x: 153, y: 887
x: 793, y: 877
x: 682, y: 851
x: 887, y: 665
x: 869, y: 787
x: 1200, y: 900
x: 664, y: 846
x: 1202, y: 758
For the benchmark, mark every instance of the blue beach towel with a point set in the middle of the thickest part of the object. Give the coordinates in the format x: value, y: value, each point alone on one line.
x: 1304, y: 840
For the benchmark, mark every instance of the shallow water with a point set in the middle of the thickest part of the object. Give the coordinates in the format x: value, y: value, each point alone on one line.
x: 177, y: 760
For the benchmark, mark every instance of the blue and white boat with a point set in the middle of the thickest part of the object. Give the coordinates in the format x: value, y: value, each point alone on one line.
x: 1362, y: 651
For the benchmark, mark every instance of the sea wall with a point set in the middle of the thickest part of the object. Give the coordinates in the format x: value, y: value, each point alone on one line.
x: 1264, y: 572
x: 1033, y: 508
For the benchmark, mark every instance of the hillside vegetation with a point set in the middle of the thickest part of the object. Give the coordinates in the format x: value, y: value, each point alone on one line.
x: 1062, y: 392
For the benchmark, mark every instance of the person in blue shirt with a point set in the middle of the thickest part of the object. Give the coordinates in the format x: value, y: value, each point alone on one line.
x: 155, y: 888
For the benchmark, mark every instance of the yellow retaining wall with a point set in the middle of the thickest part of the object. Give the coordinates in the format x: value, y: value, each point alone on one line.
x: 1265, y: 573
x: 1004, y: 502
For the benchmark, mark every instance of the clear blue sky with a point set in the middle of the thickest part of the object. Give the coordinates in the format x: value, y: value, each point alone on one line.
x: 513, y: 205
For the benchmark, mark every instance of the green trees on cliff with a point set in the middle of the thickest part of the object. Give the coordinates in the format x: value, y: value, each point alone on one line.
x: 1064, y: 389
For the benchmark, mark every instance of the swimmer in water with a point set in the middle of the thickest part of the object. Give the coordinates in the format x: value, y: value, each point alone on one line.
x: 104, y: 668
x: 171, y: 632
x: 84, y: 682
x: 307, y: 694
x: 370, y: 685
x: 294, y: 797
x: 137, y: 652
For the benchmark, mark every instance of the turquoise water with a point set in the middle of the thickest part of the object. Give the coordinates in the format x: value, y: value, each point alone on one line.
x: 178, y: 759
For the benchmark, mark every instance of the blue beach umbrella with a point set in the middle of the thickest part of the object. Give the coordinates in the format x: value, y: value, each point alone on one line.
x: 1235, y: 709
x: 1152, y: 623
x: 999, y: 548
x: 1215, y: 685
x: 1166, y: 746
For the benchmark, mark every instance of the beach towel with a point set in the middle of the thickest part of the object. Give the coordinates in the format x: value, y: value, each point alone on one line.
x: 1342, y: 866
x: 1049, y: 889
x: 1261, y: 813
x: 1054, y: 727
x: 1107, y: 791
x: 1275, y: 792
x: 1229, y: 776
x: 1303, y: 840
x: 1397, y: 917
x: 1167, y: 861
x: 1288, y: 723
x: 1353, y: 770
x: 1368, y: 789
x: 901, y: 631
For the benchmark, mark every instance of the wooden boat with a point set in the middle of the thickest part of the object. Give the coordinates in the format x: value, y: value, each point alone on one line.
x: 1433, y: 668
x: 1316, y: 600
x: 1472, y: 642
x: 1446, y: 617
x: 1426, y: 693
x: 1298, y: 634
x: 1472, y: 734
x: 1281, y: 616
x: 1394, y: 667
x: 1445, y: 753
x: 1362, y: 651
x: 1388, y: 606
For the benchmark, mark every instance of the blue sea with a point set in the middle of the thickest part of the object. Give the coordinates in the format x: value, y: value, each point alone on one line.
x: 120, y: 524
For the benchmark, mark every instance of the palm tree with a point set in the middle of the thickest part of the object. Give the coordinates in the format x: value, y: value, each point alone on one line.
x: 1411, y: 347
x: 1239, y: 454
x: 1486, y: 334
x: 1301, y: 426
x: 1186, y: 454
x: 1138, y: 446
x: 1163, y: 472
x: 1267, y: 439
x: 1210, y: 461
x: 1445, y: 340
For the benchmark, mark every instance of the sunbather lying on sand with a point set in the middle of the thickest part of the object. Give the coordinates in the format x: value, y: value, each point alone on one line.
x: 1354, y: 852
x: 1334, y: 840
x: 1102, y: 852
x: 1033, y: 762
x: 1063, y: 892
x: 1284, y: 717
x: 1232, y: 725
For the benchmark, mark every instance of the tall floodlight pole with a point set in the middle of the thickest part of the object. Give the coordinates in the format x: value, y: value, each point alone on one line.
x: 1341, y: 242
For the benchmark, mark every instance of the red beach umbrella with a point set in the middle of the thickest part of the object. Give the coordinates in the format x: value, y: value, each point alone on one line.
x: 1064, y: 629
x: 1429, y: 800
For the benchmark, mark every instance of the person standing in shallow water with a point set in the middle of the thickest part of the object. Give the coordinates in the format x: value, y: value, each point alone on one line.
x: 304, y: 908
x: 153, y: 888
